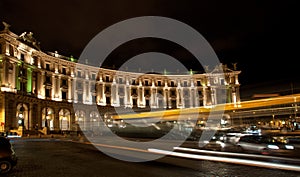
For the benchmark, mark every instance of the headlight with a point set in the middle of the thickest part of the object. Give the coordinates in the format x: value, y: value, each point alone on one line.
x: 289, y: 147
x: 271, y: 146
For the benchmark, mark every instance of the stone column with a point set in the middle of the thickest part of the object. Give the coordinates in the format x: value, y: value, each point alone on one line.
x: 56, y: 119
x: 70, y: 90
x: 204, y: 96
x: 53, y: 87
x: 42, y: 84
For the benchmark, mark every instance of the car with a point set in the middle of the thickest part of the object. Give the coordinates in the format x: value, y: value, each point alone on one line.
x: 216, y: 143
x: 264, y: 144
x: 13, y: 135
x: 8, y: 157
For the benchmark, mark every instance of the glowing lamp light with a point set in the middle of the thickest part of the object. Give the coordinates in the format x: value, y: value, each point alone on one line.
x: 21, y: 116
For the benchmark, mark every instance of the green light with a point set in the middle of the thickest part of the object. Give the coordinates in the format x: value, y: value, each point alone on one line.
x: 165, y: 72
x: 17, y: 78
x: 72, y: 59
x: 29, y: 80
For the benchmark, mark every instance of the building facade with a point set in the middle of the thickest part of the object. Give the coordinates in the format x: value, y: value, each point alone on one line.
x: 39, y: 89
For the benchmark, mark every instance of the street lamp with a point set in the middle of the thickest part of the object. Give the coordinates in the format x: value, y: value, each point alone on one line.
x: 46, y: 117
x: 21, y: 116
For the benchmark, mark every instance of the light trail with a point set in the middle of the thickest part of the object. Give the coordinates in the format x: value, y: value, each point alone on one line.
x: 234, y: 154
x: 206, y: 157
x: 174, y: 114
x: 228, y: 160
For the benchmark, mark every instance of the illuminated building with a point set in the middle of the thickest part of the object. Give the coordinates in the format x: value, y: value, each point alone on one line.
x: 40, y: 88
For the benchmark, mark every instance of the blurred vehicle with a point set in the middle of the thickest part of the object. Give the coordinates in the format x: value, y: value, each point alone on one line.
x: 8, y: 158
x: 253, y: 129
x: 13, y: 135
x: 263, y: 144
x: 216, y: 143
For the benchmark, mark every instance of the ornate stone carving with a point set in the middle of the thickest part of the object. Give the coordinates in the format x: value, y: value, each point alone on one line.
x: 28, y: 38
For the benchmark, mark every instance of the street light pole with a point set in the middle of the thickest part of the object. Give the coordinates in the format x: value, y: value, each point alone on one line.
x: 22, y: 109
x: 46, y: 116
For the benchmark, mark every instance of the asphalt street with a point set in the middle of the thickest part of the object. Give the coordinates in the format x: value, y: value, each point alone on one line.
x: 60, y: 158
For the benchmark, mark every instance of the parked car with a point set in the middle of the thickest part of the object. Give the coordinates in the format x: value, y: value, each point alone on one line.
x: 263, y: 144
x: 8, y: 158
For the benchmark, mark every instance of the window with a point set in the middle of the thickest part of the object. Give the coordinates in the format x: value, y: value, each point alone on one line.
x: 173, y: 104
x: 186, y: 103
x: 147, y: 103
x: 107, y: 100
x: 173, y: 93
x: 172, y: 84
x: 93, y: 88
x: 93, y: 76
x: 133, y: 82
x: 64, y: 71
x: 146, y: 83
x: 121, y: 91
x: 185, y: 84
x: 22, y: 72
x: 121, y: 101
x: 199, y: 93
x: 120, y: 80
x: 48, y: 66
x: 11, y: 50
x: 107, y: 89
x: 198, y: 83
x: 79, y: 85
x: 160, y: 92
x: 133, y: 91
x: 79, y: 97
x: 78, y: 73
x: 48, y: 93
x: 48, y: 79
x: 23, y: 86
x: 134, y: 102
x: 64, y: 95
x: 22, y: 57
x: 158, y: 83
x: 147, y: 92
x: 106, y: 78
x: 64, y: 82
x: 222, y: 81
x: 160, y: 103
x: 186, y: 93
x: 93, y: 99
x: 35, y: 61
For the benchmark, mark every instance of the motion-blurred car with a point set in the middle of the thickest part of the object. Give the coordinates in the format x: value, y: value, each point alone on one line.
x: 216, y: 143
x: 8, y: 158
x: 267, y: 145
x: 13, y: 135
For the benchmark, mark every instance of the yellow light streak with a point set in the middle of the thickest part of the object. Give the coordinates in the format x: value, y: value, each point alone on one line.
x: 173, y: 114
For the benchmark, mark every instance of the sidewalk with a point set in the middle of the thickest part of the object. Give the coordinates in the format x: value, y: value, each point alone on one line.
x: 78, y: 138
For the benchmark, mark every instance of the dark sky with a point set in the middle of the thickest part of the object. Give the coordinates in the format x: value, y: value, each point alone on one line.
x: 260, y: 36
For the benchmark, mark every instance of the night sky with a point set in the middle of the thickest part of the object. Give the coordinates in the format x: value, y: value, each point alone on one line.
x: 260, y: 36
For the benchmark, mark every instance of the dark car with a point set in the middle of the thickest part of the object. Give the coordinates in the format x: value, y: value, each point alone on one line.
x: 8, y: 158
x: 267, y: 145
